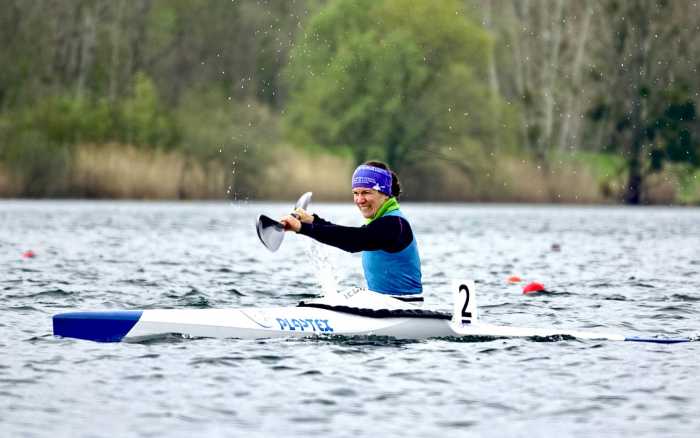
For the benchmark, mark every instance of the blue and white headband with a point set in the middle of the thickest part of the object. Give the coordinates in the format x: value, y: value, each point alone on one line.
x: 370, y: 177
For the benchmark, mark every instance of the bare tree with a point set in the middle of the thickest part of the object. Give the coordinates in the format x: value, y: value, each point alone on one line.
x: 542, y: 50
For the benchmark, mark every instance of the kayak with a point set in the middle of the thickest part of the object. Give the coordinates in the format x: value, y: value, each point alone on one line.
x: 355, y: 313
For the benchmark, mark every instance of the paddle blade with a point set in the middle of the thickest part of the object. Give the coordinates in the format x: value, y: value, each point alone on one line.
x: 303, y: 201
x: 270, y: 232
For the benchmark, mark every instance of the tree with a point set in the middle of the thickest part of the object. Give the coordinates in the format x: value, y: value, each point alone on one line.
x: 646, y: 87
x: 390, y: 78
x: 542, y: 49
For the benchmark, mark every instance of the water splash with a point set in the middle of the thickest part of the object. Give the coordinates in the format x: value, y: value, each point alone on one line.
x: 323, y: 268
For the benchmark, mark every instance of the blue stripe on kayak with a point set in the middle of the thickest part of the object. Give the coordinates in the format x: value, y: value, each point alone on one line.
x: 657, y: 340
x: 96, y: 326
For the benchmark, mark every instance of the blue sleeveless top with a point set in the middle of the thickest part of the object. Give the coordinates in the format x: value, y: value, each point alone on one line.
x: 395, y: 273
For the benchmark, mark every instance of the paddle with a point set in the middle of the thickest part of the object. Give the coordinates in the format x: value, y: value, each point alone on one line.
x: 270, y: 231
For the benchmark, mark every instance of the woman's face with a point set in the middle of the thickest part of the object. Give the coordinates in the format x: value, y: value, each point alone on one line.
x: 368, y: 201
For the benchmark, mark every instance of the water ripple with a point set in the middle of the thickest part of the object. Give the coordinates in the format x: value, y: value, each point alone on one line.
x: 618, y: 270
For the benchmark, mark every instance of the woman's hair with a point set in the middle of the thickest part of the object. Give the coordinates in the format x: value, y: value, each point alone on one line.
x: 395, y: 183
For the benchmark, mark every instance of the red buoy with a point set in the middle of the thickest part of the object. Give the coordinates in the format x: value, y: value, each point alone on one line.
x: 533, y: 287
x: 28, y: 254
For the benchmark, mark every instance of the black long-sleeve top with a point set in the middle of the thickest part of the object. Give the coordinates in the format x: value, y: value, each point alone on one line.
x: 388, y: 233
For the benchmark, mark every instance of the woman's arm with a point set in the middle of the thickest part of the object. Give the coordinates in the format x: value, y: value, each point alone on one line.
x: 388, y: 233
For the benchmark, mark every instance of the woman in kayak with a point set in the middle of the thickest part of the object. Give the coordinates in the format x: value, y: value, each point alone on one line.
x: 389, y: 250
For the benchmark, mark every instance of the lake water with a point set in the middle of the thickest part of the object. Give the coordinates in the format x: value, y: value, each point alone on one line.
x: 630, y: 270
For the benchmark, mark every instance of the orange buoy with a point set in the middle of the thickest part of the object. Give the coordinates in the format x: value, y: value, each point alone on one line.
x: 533, y: 287
x: 514, y: 279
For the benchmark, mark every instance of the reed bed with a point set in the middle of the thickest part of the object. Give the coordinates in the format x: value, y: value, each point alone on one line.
x: 298, y: 171
x: 128, y: 172
x: 122, y: 171
x: 504, y: 178
x: 10, y: 183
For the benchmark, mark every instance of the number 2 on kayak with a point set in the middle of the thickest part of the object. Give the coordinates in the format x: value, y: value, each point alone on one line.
x: 464, y: 302
x: 466, y: 316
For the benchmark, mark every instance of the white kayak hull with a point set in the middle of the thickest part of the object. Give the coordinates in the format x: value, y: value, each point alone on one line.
x: 135, y: 326
x: 355, y: 313
x: 241, y: 323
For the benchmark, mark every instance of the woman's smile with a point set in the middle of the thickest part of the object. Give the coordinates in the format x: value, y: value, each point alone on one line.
x: 368, y: 201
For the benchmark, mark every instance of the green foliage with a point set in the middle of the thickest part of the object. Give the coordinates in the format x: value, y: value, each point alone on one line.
x: 603, y: 165
x: 41, y: 164
x: 408, y: 81
x: 37, y: 141
x: 391, y: 76
x: 238, y: 134
x: 688, y: 185
x: 670, y: 128
x: 141, y: 119
x: 66, y: 120
x: 673, y: 133
x: 37, y: 144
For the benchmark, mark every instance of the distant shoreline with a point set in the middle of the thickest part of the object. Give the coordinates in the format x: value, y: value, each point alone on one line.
x: 116, y: 171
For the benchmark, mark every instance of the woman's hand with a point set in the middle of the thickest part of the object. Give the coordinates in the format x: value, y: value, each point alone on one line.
x: 292, y: 222
x: 303, y: 215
